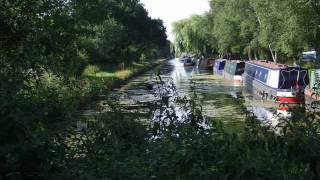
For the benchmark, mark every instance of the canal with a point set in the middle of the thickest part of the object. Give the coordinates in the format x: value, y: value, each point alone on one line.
x: 221, y: 99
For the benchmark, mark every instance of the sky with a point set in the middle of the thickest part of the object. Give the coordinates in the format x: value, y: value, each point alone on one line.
x: 174, y: 10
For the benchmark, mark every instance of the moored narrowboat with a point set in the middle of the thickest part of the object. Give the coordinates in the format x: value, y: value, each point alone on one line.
x: 233, y: 70
x: 219, y: 67
x: 311, y: 61
x: 189, y: 62
x: 277, y: 82
x: 309, y: 57
x: 206, y: 64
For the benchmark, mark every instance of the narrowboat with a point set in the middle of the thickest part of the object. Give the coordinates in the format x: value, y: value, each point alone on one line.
x: 189, y: 62
x: 276, y: 82
x: 311, y: 61
x: 233, y: 70
x: 309, y: 57
x: 219, y: 67
x: 183, y: 58
x: 206, y: 64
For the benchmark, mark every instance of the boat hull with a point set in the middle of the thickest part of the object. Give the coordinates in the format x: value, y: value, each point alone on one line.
x: 218, y: 72
x: 233, y: 70
x: 268, y: 93
x: 237, y: 79
x: 232, y: 77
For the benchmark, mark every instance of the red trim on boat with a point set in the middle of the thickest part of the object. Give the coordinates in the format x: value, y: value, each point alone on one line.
x: 289, y: 100
x: 285, y: 108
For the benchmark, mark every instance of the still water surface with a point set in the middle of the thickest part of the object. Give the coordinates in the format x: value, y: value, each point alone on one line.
x: 221, y: 99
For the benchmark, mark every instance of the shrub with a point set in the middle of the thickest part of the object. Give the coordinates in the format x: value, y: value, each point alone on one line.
x: 91, y: 70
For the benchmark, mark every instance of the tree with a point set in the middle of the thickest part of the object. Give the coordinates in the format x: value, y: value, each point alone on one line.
x: 253, y: 28
x: 117, y: 31
x: 193, y: 35
x: 37, y: 36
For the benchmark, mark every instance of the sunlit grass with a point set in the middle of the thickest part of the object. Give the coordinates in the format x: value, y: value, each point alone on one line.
x: 124, y: 74
x: 119, y: 74
x: 109, y: 77
x: 91, y: 70
x: 104, y: 75
x: 216, y: 77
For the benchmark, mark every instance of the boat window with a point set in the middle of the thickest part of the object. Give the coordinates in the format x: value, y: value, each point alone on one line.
x: 221, y: 65
x: 265, y: 77
x: 240, y: 68
x: 252, y: 69
x: 257, y: 72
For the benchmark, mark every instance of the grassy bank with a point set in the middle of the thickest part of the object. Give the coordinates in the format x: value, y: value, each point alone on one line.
x: 75, y: 93
x: 108, y: 78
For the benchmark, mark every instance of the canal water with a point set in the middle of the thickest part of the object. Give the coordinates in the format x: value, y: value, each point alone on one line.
x: 221, y: 99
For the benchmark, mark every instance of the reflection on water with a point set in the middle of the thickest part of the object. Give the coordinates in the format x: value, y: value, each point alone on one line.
x: 266, y: 111
x: 220, y: 99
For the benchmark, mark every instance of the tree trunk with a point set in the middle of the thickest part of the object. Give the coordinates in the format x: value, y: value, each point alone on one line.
x: 255, y: 55
x: 249, y: 54
x: 273, y: 54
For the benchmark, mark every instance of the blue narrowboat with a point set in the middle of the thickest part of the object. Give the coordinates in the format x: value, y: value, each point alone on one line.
x: 276, y: 81
x: 219, y: 67
x: 233, y: 70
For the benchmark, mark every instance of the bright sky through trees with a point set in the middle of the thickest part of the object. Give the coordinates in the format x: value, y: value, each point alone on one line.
x: 173, y: 10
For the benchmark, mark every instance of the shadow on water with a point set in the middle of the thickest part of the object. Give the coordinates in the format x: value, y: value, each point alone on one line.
x: 220, y: 99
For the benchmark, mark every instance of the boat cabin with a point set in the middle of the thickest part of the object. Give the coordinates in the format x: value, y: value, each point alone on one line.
x: 218, y: 67
x: 275, y: 80
x: 233, y: 70
x: 189, y: 62
x: 309, y: 57
x: 206, y: 63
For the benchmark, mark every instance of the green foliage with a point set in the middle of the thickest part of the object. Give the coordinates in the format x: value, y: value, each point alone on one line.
x: 121, y: 145
x: 91, y: 70
x: 171, y: 140
x: 45, y: 47
x: 117, y: 32
x: 193, y: 36
x: 253, y: 28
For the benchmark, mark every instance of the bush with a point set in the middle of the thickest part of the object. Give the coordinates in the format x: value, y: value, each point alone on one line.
x: 91, y: 70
